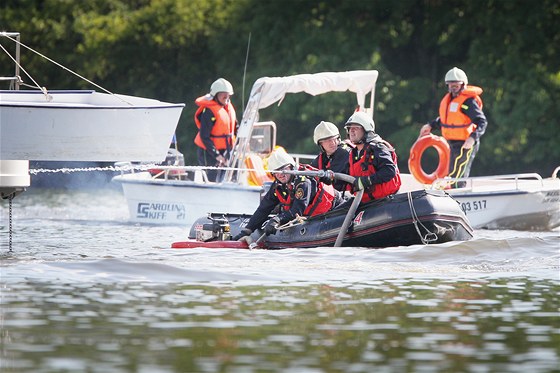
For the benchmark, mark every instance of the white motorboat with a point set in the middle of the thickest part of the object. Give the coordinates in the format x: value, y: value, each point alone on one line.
x: 519, y: 201
x: 75, y: 125
x: 180, y: 195
x: 180, y: 201
x: 524, y: 201
x: 84, y: 125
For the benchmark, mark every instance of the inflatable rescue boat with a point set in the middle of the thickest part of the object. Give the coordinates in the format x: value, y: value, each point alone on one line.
x: 418, y: 217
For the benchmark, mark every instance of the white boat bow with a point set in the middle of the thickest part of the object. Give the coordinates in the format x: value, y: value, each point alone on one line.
x: 85, y: 126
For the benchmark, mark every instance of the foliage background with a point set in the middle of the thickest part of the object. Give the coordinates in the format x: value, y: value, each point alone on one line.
x: 173, y: 50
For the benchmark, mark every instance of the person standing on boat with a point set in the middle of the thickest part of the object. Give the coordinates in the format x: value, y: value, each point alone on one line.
x: 216, y: 123
x: 294, y: 195
x: 461, y: 121
x: 334, y: 153
x: 373, y: 161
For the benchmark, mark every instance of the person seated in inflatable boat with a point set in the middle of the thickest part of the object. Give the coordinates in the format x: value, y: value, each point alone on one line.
x: 295, y: 195
x: 334, y: 153
x: 373, y: 161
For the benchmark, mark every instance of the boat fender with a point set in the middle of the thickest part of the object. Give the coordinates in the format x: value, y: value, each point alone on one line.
x: 416, y: 152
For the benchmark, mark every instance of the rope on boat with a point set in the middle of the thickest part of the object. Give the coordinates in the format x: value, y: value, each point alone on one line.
x: 129, y: 167
x: 298, y: 220
x: 43, y: 89
x: 430, y: 236
x: 255, y: 244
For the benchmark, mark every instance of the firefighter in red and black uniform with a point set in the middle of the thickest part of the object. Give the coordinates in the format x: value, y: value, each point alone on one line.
x: 373, y: 162
x: 294, y: 195
x: 461, y: 120
x: 216, y: 122
x: 334, y: 153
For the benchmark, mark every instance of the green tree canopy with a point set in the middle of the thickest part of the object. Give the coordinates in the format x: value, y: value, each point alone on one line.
x: 173, y: 49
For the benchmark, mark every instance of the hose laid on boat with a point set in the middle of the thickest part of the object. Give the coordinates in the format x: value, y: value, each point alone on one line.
x: 349, y: 217
x: 339, y: 176
x: 430, y: 236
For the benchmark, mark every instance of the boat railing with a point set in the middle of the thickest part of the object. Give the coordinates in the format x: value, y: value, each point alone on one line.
x: 16, y: 79
x: 473, y: 181
x: 299, y: 157
x: 198, y: 174
x: 165, y: 172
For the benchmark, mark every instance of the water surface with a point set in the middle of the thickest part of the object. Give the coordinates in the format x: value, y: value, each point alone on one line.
x: 84, y: 290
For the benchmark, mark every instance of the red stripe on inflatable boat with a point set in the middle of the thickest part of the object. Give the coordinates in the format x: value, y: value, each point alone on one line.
x: 210, y: 245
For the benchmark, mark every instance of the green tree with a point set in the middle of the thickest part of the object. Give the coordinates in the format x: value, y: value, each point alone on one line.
x: 173, y: 50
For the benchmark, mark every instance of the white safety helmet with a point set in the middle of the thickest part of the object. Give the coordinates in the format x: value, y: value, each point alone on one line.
x: 456, y: 75
x: 221, y: 85
x: 325, y: 130
x: 279, y: 159
x: 361, y: 118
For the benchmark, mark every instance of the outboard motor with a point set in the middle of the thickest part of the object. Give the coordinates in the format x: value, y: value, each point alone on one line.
x: 217, y: 230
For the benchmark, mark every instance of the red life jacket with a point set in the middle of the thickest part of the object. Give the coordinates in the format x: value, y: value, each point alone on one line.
x: 321, y: 203
x: 455, y: 125
x: 375, y: 191
x: 222, y: 133
x: 320, y: 162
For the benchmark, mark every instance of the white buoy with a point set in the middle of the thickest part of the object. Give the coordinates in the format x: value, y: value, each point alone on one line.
x: 14, y: 178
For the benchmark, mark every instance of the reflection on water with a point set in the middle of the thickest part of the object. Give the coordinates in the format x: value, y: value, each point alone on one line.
x: 395, y: 325
x: 85, y: 291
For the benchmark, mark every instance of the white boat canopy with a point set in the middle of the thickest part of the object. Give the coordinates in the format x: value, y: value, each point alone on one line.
x: 274, y: 90
x: 267, y: 91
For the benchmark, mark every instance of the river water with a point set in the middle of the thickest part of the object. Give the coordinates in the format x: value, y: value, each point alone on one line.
x: 83, y: 290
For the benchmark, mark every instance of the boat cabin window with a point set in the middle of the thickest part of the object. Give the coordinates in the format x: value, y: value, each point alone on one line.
x: 263, y: 138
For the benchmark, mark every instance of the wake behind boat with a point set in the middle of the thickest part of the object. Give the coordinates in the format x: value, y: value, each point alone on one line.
x: 419, y: 217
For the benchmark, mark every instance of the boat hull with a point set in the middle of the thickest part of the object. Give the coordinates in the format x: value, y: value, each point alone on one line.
x: 522, y: 205
x: 180, y: 202
x: 85, y: 126
x: 404, y: 219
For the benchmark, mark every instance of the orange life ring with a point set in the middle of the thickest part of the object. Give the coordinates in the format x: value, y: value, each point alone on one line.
x: 416, y: 152
x: 258, y: 175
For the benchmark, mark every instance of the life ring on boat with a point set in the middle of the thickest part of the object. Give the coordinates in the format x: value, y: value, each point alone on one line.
x: 416, y: 152
x: 258, y: 175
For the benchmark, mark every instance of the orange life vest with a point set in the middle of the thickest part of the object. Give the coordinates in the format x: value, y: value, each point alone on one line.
x: 364, y: 167
x: 222, y: 133
x: 321, y: 203
x: 455, y: 125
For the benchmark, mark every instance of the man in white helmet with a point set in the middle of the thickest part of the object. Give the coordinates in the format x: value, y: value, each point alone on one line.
x: 334, y: 154
x: 461, y: 121
x: 216, y: 122
x: 373, y: 161
x: 292, y: 195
